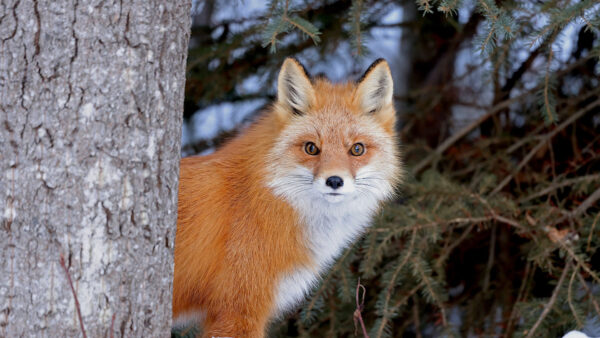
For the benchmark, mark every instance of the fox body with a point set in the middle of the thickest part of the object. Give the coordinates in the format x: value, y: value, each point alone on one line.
x: 261, y: 218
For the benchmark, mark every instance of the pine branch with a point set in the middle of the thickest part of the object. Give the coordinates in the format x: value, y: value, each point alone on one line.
x: 466, y: 130
x: 283, y: 22
x: 430, y: 288
x: 560, y: 184
x: 520, y: 297
x: 589, y: 241
x: 542, y: 142
x: 530, y: 333
x: 587, y: 203
x: 392, y: 283
x: 549, y: 106
x: 356, y: 32
x: 570, y: 298
x: 590, y: 293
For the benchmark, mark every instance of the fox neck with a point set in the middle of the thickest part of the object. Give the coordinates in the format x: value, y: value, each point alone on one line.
x: 331, y: 227
x: 328, y: 228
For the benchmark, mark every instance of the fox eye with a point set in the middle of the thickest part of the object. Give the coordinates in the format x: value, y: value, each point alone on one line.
x: 311, y: 148
x: 357, y: 149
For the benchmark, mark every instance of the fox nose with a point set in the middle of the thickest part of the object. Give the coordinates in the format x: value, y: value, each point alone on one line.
x: 334, y: 182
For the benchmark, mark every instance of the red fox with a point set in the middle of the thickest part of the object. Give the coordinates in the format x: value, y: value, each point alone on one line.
x: 261, y: 218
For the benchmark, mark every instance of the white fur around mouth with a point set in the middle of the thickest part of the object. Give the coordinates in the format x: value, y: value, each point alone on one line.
x: 333, y: 197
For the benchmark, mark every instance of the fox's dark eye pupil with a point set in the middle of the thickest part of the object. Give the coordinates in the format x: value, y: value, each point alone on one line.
x: 311, y: 148
x: 357, y: 149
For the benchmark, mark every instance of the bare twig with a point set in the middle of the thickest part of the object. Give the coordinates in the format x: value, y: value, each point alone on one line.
x: 433, y: 294
x: 560, y: 184
x: 587, y: 289
x: 492, y: 111
x: 587, y: 203
x: 577, y: 259
x: 490, y: 262
x: 570, y: 297
x: 447, y: 251
x: 520, y: 296
x: 77, y: 307
x: 416, y: 318
x: 466, y: 130
x: 589, y: 241
x: 550, y: 304
x: 392, y: 283
x: 542, y: 142
x: 359, y: 307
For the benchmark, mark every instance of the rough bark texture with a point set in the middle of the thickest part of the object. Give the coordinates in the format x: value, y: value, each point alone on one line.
x: 91, y: 99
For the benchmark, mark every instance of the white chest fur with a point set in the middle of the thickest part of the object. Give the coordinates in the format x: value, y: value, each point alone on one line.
x: 329, y: 229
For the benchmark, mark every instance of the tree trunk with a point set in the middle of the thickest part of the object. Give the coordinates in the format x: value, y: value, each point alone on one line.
x: 91, y: 99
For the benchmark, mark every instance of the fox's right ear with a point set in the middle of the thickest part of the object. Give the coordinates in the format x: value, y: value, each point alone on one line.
x: 294, y: 89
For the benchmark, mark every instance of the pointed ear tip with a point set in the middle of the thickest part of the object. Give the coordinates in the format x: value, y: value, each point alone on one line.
x: 381, y: 62
x: 377, y: 64
x: 291, y: 61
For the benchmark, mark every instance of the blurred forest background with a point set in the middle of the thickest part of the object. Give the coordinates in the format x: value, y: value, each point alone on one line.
x: 496, y: 229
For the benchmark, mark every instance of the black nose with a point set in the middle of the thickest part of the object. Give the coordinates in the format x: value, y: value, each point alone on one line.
x: 335, y: 182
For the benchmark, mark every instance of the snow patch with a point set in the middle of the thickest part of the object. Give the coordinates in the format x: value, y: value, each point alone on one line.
x: 575, y: 334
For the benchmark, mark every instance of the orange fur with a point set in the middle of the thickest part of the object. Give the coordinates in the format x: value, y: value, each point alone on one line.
x: 235, y: 237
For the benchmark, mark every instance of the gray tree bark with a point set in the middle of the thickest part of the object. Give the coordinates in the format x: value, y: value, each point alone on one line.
x: 91, y: 101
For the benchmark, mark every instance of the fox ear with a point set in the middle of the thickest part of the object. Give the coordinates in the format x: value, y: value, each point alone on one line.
x: 294, y: 89
x: 376, y: 88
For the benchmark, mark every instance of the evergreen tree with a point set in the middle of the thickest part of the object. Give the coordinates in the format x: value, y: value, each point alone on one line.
x: 495, y: 230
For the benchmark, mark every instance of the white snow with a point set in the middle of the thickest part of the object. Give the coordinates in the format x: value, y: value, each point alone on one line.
x: 575, y: 334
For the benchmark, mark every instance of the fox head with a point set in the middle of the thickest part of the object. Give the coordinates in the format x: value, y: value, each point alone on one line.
x: 337, y: 142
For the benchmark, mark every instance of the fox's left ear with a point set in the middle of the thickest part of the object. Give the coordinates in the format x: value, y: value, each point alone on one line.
x: 376, y: 88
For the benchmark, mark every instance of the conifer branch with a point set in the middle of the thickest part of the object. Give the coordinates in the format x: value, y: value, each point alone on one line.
x: 424, y: 277
x: 590, y: 293
x: 589, y: 241
x: 520, y: 295
x: 542, y: 142
x: 284, y: 22
x: 549, y: 102
x: 559, y: 185
x: 587, y: 203
x: 355, y: 21
x: 466, y: 130
x: 392, y: 283
x: 447, y: 251
x: 570, y: 297
x: 574, y: 256
x: 530, y: 333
